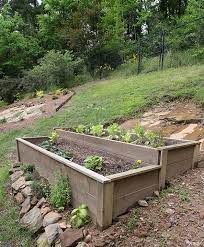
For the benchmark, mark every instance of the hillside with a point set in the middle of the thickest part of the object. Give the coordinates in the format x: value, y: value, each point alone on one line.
x: 115, y: 99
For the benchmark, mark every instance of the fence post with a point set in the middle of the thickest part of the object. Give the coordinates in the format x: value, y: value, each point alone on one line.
x: 162, y: 50
x: 139, y: 55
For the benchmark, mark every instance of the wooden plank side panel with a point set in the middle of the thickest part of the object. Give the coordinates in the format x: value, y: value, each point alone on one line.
x: 128, y: 191
x: 84, y: 189
x: 177, y: 155
x: 124, y: 150
x: 178, y: 168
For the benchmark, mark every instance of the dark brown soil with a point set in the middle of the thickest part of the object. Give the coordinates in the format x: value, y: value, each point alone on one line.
x: 111, y: 163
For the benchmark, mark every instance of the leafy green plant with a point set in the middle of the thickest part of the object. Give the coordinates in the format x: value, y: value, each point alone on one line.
x: 54, y: 137
x: 40, y: 189
x: 28, y: 176
x: 133, y: 220
x: 46, y: 145
x: 153, y: 139
x: 65, y: 154
x: 127, y: 137
x: 94, y: 163
x: 80, y: 216
x: 140, y: 132
x: 3, y: 120
x: 27, y: 167
x: 114, y: 131
x: 81, y: 129
x: 60, y: 194
x: 40, y: 94
x: 97, y: 130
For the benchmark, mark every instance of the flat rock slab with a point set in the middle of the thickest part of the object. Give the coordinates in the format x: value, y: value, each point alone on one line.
x: 51, y: 218
x: 42, y: 241
x: 25, y: 206
x: 53, y: 231
x: 71, y: 237
x: 18, y: 184
x: 32, y: 220
x: 19, y: 198
x: 16, y: 175
x: 27, y: 191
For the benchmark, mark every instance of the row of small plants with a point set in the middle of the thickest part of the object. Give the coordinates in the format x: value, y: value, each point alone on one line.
x: 92, y: 162
x: 138, y: 135
x: 58, y: 195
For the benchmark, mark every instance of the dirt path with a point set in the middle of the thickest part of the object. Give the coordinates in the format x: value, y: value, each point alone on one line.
x: 25, y: 112
x: 175, y: 219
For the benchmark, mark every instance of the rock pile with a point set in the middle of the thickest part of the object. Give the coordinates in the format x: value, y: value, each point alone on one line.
x: 37, y: 216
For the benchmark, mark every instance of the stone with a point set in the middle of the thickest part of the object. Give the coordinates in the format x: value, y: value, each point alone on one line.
x: 25, y: 206
x: 85, y: 232
x: 201, y: 213
x: 19, y: 198
x: 51, y: 218
x: 18, y: 184
x: 42, y: 241
x: 62, y: 225
x: 82, y: 244
x: 99, y: 243
x: 156, y: 193
x: 34, y: 201
x: 88, y: 238
x: 53, y: 231
x: 41, y: 202
x: 169, y: 211
x: 71, y: 237
x: 16, y: 175
x: 32, y: 220
x: 45, y: 210
x: 142, y: 203
x: 27, y: 191
x: 141, y: 233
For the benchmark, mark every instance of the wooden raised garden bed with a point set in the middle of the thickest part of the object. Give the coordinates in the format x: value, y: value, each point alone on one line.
x: 109, y: 196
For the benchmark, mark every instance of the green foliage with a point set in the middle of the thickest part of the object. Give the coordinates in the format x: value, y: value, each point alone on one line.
x: 97, y: 130
x: 140, y: 132
x: 60, y: 194
x: 40, y: 189
x: 114, y: 131
x: 46, y: 145
x: 28, y: 176
x: 27, y: 167
x: 154, y: 139
x: 126, y: 137
x: 80, y: 216
x: 81, y: 129
x: 3, y: 120
x: 54, y: 69
x: 133, y: 220
x: 94, y: 163
x: 40, y: 94
x: 64, y: 154
x: 53, y: 138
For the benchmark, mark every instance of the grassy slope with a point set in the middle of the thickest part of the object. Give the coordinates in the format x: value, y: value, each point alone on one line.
x: 101, y: 102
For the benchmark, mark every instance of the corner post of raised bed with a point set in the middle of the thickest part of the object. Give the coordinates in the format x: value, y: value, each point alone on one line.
x: 163, y: 164
x: 195, y: 156
x: 104, y: 204
x: 18, y: 151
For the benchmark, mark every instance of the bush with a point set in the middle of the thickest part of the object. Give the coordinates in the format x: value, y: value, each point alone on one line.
x: 60, y: 194
x: 55, y: 69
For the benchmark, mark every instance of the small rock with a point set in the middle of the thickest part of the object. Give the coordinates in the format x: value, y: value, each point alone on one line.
x: 99, y: 243
x: 34, y: 201
x: 201, y: 214
x: 45, y: 210
x: 82, y: 244
x: 169, y: 211
x: 42, y: 241
x: 51, y: 218
x: 71, y: 237
x: 141, y: 233
x: 85, y: 232
x: 27, y: 191
x: 18, y: 184
x: 53, y: 231
x: 32, y: 220
x: 16, y: 175
x: 156, y: 193
x: 25, y: 206
x: 19, y: 198
x: 41, y: 202
x: 88, y: 238
x: 62, y: 225
x: 142, y: 203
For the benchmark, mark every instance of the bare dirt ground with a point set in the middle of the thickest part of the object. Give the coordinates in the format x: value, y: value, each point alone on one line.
x: 23, y: 113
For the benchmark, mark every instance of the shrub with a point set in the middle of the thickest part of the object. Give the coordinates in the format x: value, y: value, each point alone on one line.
x: 60, y: 194
x: 94, y: 162
x: 97, y: 130
x: 54, y: 69
x: 40, y: 189
x: 80, y: 216
x: 28, y: 176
